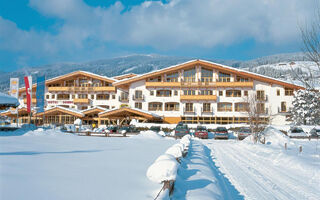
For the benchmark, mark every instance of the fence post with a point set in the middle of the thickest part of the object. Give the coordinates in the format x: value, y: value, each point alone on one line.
x: 300, y: 149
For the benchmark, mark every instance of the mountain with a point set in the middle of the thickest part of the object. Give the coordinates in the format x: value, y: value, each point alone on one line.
x: 134, y: 64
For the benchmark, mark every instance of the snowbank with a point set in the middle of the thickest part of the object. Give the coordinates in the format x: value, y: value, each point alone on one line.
x: 163, y: 170
x: 149, y: 134
x: 175, y: 151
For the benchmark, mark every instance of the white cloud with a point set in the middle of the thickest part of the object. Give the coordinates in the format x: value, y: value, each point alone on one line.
x: 166, y: 26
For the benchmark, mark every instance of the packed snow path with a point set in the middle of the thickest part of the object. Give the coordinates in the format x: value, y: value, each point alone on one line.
x: 199, y: 178
x: 260, y: 172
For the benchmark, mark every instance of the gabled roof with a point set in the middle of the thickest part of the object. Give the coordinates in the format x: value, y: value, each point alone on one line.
x: 124, y: 76
x: 94, y: 109
x: 84, y: 73
x: 62, y: 109
x: 220, y: 67
x: 129, y: 111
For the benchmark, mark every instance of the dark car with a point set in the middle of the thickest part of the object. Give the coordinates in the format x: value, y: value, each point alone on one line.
x: 128, y: 129
x: 244, y: 132
x: 113, y: 129
x: 221, y: 133
x: 201, y: 132
x: 155, y: 128
x: 315, y: 132
x: 181, y: 130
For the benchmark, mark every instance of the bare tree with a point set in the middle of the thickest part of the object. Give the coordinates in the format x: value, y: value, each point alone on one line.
x: 255, y: 109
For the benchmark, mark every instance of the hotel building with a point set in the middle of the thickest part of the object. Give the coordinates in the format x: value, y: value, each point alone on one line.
x: 197, y: 91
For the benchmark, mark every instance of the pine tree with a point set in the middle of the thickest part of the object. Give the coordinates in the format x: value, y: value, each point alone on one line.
x: 306, y: 107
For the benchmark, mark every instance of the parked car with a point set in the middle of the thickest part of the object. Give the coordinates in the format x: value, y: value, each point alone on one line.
x: 201, y: 132
x: 297, y: 132
x: 243, y: 132
x: 181, y: 130
x: 315, y: 132
x: 155, y: 128
x: 113, y: 129
x: 128, y: 129
x: 221, y: 133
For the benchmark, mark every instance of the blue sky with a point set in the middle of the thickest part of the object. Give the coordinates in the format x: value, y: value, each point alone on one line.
x: 38, y: 32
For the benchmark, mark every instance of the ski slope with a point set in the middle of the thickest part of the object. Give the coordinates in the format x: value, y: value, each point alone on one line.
x: 268, y: 171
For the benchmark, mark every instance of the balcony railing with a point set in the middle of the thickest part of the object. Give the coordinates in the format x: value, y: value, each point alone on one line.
x: 199, y: 97
x: 138, y: 98
x: 199, y: 84
x: 84, y: 101
x: 82, y: 89
x: 189, y: 110
x: 206, y: 110
x: 33, y: 100
x: 262, y: 98
x: 123, y: 99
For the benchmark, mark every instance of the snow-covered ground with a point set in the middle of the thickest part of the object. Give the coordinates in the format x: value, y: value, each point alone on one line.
x: 49, y: 164
x: 269, y: 171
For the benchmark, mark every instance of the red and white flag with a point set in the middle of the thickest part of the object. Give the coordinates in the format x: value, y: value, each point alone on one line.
x: 28, y: 83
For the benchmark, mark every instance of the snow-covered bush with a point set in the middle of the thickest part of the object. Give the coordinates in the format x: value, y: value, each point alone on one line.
x: 175, y: 151
x: 306, y: 107
x: 78, y: 122
x: 163, y: 170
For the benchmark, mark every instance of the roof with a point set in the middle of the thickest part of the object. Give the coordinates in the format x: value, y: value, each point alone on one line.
x: 136, y: 111
x: 62, y: 109
x: 124, y: 76
x: 220, y: 67
x: 111, y: 80
x: 8, y: 101
x: 89, y: 110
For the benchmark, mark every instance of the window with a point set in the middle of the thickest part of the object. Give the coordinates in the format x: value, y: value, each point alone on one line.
x: 124, y: 96
x: 206, y: 107
x: 92, y: 96
x: 223, y: 77
x: 278, y: 92
x: 225, y: 107
x: 47, y: 96
x: 260, y: 108
x: 70, y: 83
x: 176, y: 93
x: 138, y: 94
x: 63, y: 97
x: 245, y: 93
x: 82, y: 96
x: 260, y: 95
x: 283, y: 106
x: 233, y: 93
x: 102, y: 96
x: 189, y: 75
x: 242, y: 79
x: 155, y: 106
x: 163, y: 93
x: 172, y: 77
x: 113, y: 96
x: 240, y: 107
x: 220, y: 93
x: 151, y: 93
x: 189, y: 107
x: 138, y: 105
x: 189, y: 92
x: 205, y: 92
x: 288, y: 92
x: 83, y: 82
x: 155, y: 79
x: 206, y: 75
x: 172, y: 106
x: 52, y: 96
x: 73, y: 96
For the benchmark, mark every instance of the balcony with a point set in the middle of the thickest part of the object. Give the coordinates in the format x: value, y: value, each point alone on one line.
x: 81, y: 101
x: 234, y: 84
x: 33, y: 100
x: 199, y: 97
x: 189, y: 110
x: 138, y: 98
x: 83, y: 89
x: 163, y: 84
x: 208, y: 111
x: 262, y: 98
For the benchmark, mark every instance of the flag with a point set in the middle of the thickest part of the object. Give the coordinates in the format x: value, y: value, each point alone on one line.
x: 28, y: 83
x: 40, y: 93
x: 14, y: 87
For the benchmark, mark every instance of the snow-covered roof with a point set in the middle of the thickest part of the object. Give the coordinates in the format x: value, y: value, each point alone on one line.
x: 7, y: 100
x: 135, y: 109
x: 205, y: 61
x: 66, y: 109
x: 95, y: 107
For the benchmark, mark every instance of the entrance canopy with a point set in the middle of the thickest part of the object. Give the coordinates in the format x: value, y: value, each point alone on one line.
x: 131, y: 113
x: 8, y: 101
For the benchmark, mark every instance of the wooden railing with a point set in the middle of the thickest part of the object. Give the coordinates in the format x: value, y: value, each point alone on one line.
x: 84, y: 89
x: 198, y: 97
x: 199, y: 84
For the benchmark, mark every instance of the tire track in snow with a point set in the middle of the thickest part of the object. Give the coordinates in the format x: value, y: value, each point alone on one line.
x: 256, y: 179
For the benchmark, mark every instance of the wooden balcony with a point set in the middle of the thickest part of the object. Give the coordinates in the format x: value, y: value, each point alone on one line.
x: 34, y: 100
x: 163, y: 84
x: 234, y: 84
x: 199, y: 97
x: 82, y: 89
x: 82, y: 101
